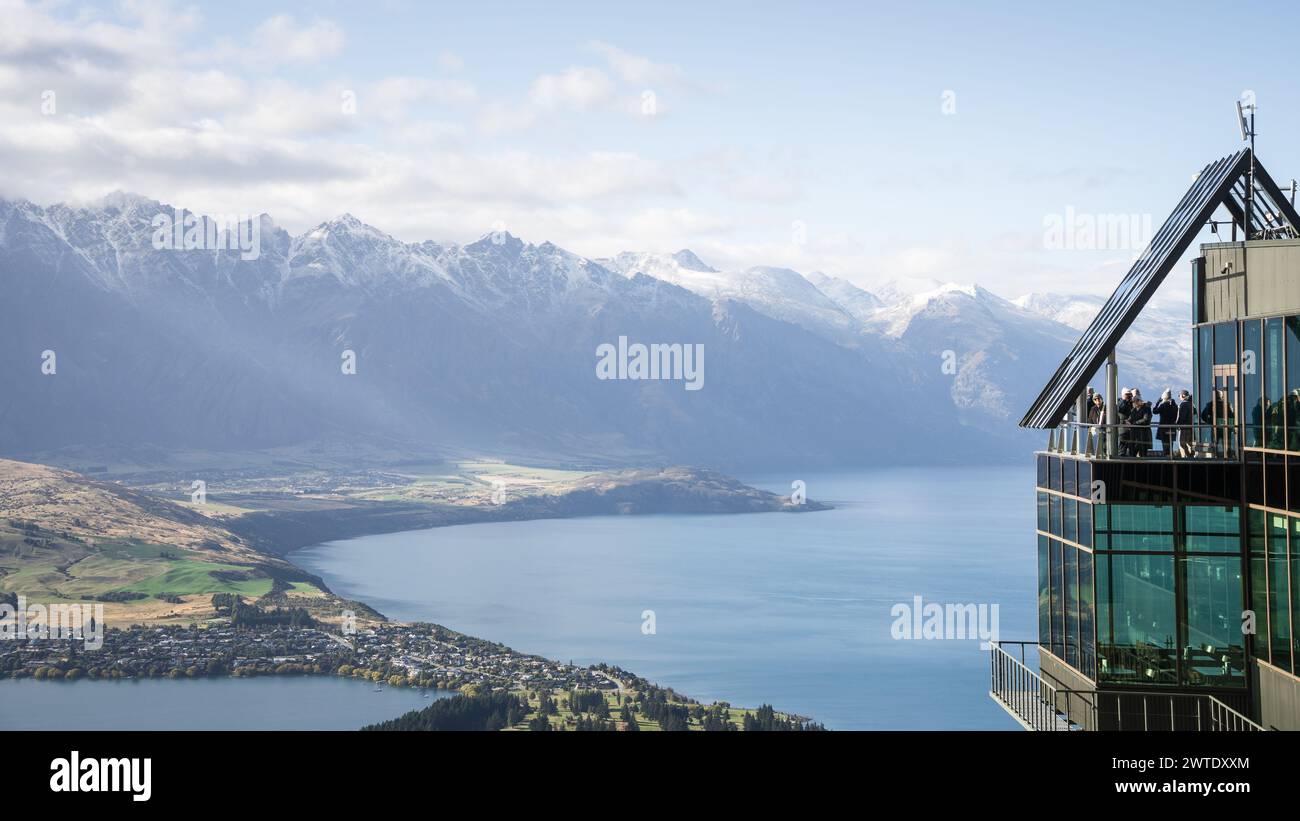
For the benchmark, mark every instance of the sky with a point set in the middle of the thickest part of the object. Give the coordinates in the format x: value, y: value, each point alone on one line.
x: 868, y: 141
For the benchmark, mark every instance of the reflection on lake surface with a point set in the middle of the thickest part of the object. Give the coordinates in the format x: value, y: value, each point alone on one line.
x: 265, y: 703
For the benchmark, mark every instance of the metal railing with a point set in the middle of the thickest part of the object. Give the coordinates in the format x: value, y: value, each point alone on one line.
x: 1145, y: 442
x: 1031, y: 700
x: 1224, y: 718
x: 1042, y: 705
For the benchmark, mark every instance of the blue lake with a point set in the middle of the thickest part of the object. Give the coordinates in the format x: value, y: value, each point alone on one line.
x: 788, y: 609
x: 265, y: 703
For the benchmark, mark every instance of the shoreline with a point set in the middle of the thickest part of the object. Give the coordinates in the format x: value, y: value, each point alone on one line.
x: 283, y: 523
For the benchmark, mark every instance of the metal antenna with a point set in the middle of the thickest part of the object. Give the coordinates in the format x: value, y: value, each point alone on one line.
x: 1248, y: 133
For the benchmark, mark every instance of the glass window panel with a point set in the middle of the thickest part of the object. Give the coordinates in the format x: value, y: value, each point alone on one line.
x: 1070, y: 526
x: 1293, y: 382
x: 1044, y: 593
x: 1293, y: 483
x: 1087, y: 620
x: 1070, y: 476
x: 1042, y: 470
x: 1275, y: 480
x: 1085, y: 524
x: 1137, y: 629
x: 1295, y: 585
x: 1274, y: 388
x: 1142, y: 518
x: 1212, y: 519
x: 1258, y: 582
x: 1071, y: 587
x: 1279, y: 593
x: 1042, y: 512
x: 1214, y: 653
x: 1254, y: 477
x: 1085, y: 480
x: 1056, y: 593
x: 1054, y: 472
x: 1056, y: 515
x: 1212, y: 529
x: 1205, y: 543
x: 1104, y: 620
x: 1145, y: 542
x: 1225, y: 343
x: 1204, y: 381
x: 1252, y: 392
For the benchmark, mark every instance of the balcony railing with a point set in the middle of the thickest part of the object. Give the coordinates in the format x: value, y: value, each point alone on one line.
x: 1035, y: 703
x: 1039, y: 704
x: 1145, y: 442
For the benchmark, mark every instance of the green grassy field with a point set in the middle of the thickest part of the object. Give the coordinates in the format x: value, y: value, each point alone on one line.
x: 185, y: 577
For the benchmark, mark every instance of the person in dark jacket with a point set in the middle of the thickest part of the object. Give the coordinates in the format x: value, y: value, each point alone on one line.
x: 1140, y: 420
x: 1097, y: 410
x: 1166, y: 410
x: 1124, y: 409
x: 1184, y: 422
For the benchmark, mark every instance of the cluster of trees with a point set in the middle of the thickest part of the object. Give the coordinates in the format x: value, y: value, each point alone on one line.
x: 243, y: 614
x: 541, y: 724
x: 120, y: 596
x: 488, y: 711
x: 714, y: 718
x: 766, y: 719
x: 654, y: 705
x: 629, y: 718
x: 588, y: 724
x: 74, y: 672
x: 588, y: 701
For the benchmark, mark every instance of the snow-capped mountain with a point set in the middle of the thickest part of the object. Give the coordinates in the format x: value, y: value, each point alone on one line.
x: 490, y: 345
x: 859, y: 304
x: 1154, y: 355
x: 776, y: 292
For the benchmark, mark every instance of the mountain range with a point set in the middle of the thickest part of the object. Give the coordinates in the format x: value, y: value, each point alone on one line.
x: 492, y: 346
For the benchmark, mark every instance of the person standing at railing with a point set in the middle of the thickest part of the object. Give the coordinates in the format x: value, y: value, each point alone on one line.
x: 1186, y: 434
x: 1125, y: 410
x: 1167, y: 411
x: 1140, y: 419
x: 1097, y: 410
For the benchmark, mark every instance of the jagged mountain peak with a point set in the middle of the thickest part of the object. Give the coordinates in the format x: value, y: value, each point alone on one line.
x: 688, y: 259
x: 120, y: 200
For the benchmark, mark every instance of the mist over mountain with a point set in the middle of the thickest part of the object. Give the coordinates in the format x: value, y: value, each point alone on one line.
x: 493, y: 346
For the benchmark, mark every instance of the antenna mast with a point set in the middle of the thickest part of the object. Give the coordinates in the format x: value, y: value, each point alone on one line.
x: 1248, y: 134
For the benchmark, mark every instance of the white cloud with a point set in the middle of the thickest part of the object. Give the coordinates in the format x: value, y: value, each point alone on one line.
x: 575, y: 89
x: 281, y: 39
x: 638, y: 70
x: 146, y: 103
x: 392, y: 97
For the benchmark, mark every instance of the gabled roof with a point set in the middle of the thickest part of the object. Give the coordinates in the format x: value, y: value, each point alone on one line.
x: 1222, y: 182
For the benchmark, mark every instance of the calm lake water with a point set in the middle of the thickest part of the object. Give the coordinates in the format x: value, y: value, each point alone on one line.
x: 788, y: 609
x: 266, y: 703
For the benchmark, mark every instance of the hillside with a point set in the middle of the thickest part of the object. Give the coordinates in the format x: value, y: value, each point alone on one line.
x: 64, y: 536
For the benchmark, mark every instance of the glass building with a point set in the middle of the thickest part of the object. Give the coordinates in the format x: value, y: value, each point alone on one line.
x: 1169, y: 561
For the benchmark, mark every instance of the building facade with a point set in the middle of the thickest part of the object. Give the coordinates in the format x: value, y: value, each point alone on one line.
x: 1169, y: 569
